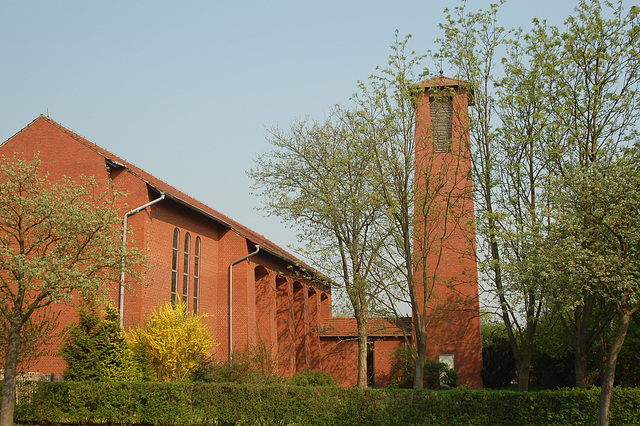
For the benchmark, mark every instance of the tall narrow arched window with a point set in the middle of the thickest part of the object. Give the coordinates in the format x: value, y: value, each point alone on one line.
x: 174, y: 266
x: 185, y: 270
x: 196, y: 275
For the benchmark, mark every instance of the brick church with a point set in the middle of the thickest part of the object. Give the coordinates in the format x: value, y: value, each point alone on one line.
x: 248, y: 286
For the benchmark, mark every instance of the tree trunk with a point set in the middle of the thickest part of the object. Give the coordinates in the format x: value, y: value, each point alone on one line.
x: 580, y: 366
x: 524, y: 369
x: 610, y: 369
x: 525, y: 354
x: 418, y: 377
x: 362, y: 353
x: 584, y: 336
x: 581, y: 321
x: 10, y: 373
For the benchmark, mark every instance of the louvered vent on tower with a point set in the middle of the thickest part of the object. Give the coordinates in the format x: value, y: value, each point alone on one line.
x: 441, y: 123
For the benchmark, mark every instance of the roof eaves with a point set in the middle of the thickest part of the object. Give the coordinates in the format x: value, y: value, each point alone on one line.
x: 312, y: 275
x: 190, y: 206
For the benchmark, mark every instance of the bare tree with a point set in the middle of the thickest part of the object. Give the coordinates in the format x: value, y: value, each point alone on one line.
x: 426, y: 190
x: 317, y: 176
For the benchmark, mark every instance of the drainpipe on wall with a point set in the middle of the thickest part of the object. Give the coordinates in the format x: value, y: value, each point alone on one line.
x: 124, y: 246
x: 231, y: 301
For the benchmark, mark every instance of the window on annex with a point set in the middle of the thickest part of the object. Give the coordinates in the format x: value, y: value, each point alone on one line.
x: 448, y: 360
x: 185, y: 270
x: 174, y: 266
x: 196, y: 275
x: 441, y: 123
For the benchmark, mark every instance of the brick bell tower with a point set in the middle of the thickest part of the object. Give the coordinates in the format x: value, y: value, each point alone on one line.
x: 445, y: 265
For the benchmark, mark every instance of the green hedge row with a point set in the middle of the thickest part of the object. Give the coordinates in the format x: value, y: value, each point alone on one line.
x: 201, y: 404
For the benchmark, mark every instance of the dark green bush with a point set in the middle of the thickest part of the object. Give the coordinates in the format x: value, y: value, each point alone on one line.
x: 252, y: 366
x: 207, y: 403
x: 402, y: 368
x: 436, y: 374
x: 313, y: 378
x: 498, y: 364
x: 448, y: 377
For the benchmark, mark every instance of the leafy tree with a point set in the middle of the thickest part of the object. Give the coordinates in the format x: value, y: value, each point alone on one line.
x: 173, y: 342
x: 318, y: 175
x: 506, y: 127
x: 595, y: 240
x: 386, y: 115
x: 351, y: 183
x: 521, y: 138
x: 594, y: 71
x: 522, y: 197
x: 95, y: 350
x: 57, y: 240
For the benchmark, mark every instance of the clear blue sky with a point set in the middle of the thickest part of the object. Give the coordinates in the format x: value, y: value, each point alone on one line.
x: 185, y: 89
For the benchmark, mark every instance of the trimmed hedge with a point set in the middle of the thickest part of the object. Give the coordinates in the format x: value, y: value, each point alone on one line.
x: 208, y: 404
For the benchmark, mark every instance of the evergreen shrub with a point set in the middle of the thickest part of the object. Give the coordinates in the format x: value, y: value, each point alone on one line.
x: 94, y: 349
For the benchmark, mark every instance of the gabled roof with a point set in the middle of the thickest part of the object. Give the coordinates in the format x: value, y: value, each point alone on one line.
x: 180, y: 197
x: 376, y: 327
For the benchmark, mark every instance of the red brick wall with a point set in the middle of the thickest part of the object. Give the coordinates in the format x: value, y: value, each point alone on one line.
x: 158, y: 223
x: 300, y: 324
x: 314, y: 329
x: 340, y: 359
x: 383, y: 350
x: 266, y: 332
x: 286, y: 327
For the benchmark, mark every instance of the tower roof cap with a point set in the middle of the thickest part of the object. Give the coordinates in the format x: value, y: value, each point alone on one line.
x: 444, y: 81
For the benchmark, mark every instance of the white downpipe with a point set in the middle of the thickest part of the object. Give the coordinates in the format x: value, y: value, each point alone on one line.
x: 124, y: 246
x: 231, y: 300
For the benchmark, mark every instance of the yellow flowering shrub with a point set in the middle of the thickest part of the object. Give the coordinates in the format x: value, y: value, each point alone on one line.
x: 173, y: 342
